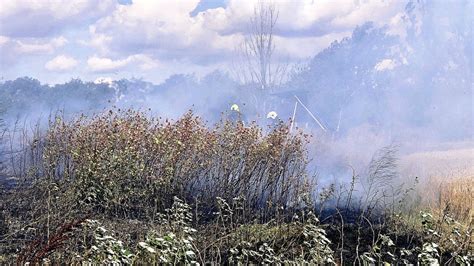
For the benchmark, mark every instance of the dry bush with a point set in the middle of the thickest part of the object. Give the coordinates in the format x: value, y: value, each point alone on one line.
x: 131, y: 166
x: 126, y: 166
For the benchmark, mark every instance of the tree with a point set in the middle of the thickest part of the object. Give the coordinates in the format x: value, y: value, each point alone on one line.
x: 256, y: 52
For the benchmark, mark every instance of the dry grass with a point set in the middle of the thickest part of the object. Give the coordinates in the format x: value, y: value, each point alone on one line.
x: 124, y: 165
x: 447, y: 163
x: 446, y: 179
x: 236, y: 194
x: 454, y: 195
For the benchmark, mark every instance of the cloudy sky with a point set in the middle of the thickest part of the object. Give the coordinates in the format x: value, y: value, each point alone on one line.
x: 55, y: 40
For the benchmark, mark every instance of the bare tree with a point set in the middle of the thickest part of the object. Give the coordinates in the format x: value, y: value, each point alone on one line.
x: 256, y: 51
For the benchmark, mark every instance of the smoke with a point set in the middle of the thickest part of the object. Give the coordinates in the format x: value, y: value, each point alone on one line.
x: 409, y: 84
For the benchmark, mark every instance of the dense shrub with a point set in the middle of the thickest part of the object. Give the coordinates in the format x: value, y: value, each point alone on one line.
x: 131, y: 166
x: 126, y: 165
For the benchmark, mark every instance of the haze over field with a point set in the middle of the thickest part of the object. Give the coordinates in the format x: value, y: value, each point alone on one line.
x: 373, y: 72
x: 301, y: 132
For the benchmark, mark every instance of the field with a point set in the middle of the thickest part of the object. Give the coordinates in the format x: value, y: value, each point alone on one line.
x: 124, y: 187
x: 446, y: 178
x: 236, y: 132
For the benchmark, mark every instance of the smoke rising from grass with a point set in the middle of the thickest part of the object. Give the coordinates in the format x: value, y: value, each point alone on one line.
x: 409, y: 84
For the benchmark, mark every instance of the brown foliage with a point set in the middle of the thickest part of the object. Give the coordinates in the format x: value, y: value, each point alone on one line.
x: 124, y: 165
x: 131, y: 166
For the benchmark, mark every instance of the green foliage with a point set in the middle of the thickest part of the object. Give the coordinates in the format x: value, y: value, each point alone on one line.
x: 246, y: 254
x: 434, y: 238
x: 176, y: 244
x: 293, y: 243
x: 316, y: 242
x: 381, y: 252
x: 105, y: 248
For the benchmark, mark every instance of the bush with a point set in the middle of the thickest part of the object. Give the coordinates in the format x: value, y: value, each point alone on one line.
x: 131, y: 166
x: 124, y: 165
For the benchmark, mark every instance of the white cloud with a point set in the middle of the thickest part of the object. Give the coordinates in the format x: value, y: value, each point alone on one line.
x: 378, y: 11
x: 36, y: 46
x: 104, y: 64
x: 302, y: 48
x: 147, y: 32
x: 307, y: 17
x: 166, y: 29
x: 97, y: 41
x: 29, y: 46
x: 4, y: 40
x: 13, y: 50
x: 160, y: 26
x: 32, y: 27
x: 61, y: 63
x: 386, y: 64
x: 44, y: 18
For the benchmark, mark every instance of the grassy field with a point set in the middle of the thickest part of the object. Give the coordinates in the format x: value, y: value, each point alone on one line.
x: 446, y: 177
x: 123, y: 187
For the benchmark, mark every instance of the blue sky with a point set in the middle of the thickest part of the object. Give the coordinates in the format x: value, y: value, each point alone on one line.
x: 55, y: 40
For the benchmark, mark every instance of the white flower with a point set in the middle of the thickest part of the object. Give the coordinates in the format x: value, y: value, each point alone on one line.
x: 235, y: 107
x: 272, y: 115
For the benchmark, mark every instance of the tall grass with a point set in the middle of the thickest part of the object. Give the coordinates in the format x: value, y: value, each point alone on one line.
x: 453, y: 194
x: 127, y: 165
x: 124, y: 187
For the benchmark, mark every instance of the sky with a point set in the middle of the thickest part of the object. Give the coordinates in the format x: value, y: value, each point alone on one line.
x: 55, y: 41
